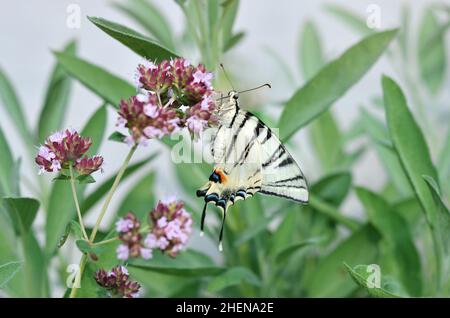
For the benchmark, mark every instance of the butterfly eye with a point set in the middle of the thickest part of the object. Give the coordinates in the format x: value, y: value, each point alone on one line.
x: 236, y: 96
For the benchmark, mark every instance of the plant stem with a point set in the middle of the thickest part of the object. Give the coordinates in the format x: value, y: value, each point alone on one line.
x: 332, y: 212
x: 77, y: 204
x: 105, y: 241
x: 77, y: 282
x: 111, y: 192
x: 83, y: 260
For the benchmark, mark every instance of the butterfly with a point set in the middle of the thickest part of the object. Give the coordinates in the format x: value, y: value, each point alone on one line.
x: 249, y: 158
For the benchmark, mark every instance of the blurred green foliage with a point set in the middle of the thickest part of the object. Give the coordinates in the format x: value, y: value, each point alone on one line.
x: 272, y: 248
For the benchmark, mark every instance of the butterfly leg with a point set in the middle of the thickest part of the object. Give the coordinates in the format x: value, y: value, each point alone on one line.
x: 221, y: 230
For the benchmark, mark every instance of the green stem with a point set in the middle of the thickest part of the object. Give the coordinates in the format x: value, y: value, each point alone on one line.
x: 330, y: 211
x: 111, y: 192
x: 83, y: 260
x: 77, y: 282
x: 105, y: 241
x: 77, y: 204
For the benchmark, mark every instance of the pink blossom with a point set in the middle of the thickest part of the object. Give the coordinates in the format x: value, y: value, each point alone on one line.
x: 123, y: 252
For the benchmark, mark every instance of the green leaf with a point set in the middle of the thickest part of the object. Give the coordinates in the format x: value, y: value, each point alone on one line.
x: 443, y: 224
x: 233, y: 41
x: 13, y: 107
x: 329, y: 210
x: 352, y: 20
x: 35, y: 269
x: 103, y: 188
x: 95, y: 128
x: 410, y: 145
x: 137, y: 42
x: 326, y: 138
x: 379, y: 134
x: 22, y: 212
x: 87, y: 248
x: 326, y: 195
x: 150, y: 18
x: 398, y: 238
x: 431, y: 51
x: 56, y: 99
x: 230, y: 10
x: 361, y: 274
x: 189, y: 263
x: 85, y: 178
x: 106, y: 85
x: 232, y: 277
x: 7, y: 272
x: 61, y: 177
x: 117, y: 136
x: 256, y: 228
x: 284, y: 254
x: 310, y: 51
x: 328, y: 280
x: 140, y: 199
x: 444, y: 160
x: 324, y: 133
x: 6, y: 171
x: 331, y: 82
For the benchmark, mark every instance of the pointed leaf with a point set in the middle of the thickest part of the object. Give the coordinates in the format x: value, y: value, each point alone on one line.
x: 361, y: 276
x: 331, y: 82
x: 7, y: 272
x: 410, y: 145
x: 189, y: 263
x: 232, y: 277
x: 22, y: 212
x: 56, y: 99
x: 137, y: 42
x: 431, y: 51
x: 150, y: 18
x: 106, y: 85
x: 13, y: 107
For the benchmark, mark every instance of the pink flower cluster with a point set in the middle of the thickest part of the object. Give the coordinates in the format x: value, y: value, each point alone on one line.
x: 117, y: 282
x: 65, y: 148
x: 172, y: 95
x: 129, y: 229
x: 170, y: 226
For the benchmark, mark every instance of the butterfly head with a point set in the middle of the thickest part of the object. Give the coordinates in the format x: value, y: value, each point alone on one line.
x: 233, y: 96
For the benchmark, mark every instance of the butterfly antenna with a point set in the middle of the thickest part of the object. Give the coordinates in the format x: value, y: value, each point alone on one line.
x: 226, y: 76
x: 203, y: 219
x: 255, y: 88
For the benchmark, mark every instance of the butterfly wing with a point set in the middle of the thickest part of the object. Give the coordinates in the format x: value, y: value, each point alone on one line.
x: 249, y: 158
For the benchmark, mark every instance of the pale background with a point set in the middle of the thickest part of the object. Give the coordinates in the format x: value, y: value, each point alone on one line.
x: 29, y: 30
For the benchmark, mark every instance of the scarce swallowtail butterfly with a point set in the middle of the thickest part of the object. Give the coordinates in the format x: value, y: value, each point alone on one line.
x: 248, y: 159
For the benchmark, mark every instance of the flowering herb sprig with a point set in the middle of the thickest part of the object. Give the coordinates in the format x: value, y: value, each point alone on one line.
x: 170, y: 227
x: 117, y: 282
x: 172, y: 95
x: 65, y: 149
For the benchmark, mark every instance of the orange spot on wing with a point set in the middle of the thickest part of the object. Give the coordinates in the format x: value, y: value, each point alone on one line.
x: 222, y: 176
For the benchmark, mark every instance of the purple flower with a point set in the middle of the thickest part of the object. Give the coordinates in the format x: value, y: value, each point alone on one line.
x: 117, y: 282
x: 172, y: 225
x: 172, y: 95
x: 123, y: 252
x: 129, y: 228
x: 66, y: 148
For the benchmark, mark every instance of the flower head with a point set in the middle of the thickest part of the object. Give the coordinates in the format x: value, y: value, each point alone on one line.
x: 129, y: 228
x: 117, y: 282
x: 172, y: 95
x: 172, y: 225
x: 66, y: 148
